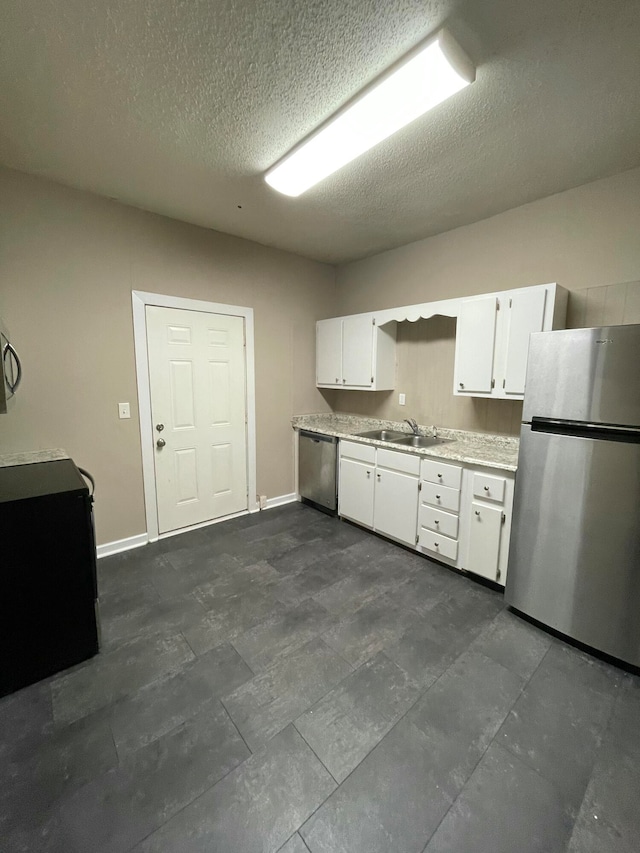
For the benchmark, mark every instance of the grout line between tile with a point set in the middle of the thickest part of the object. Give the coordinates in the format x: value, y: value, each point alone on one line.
x: 316, y: 755
x: 233, y: 722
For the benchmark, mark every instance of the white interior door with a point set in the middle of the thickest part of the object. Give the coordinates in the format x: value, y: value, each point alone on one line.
x: 197, y: 378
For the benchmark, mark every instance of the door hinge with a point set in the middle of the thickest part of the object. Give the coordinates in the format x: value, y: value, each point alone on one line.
x: 373, y: 321
x: 510, y: 303
x: 417, y: 538
x: 497, y: 304
x: 372, y: 380
x: 504, y: 517
x: 498, y: 574
x: 420, y: 486
x: 493, y: 383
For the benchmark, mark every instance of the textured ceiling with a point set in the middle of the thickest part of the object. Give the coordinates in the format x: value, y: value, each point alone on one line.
x: 179, y: 106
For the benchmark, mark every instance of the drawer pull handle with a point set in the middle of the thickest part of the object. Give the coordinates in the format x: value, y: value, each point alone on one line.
x: 477, y: 512
x: 486, y: 488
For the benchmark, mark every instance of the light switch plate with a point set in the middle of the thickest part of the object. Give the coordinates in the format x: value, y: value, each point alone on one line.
x: 124, y: 410
x: 402, y: 399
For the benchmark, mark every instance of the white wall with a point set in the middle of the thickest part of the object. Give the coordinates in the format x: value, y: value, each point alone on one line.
x: 68, y: 263
x: 586, y: 239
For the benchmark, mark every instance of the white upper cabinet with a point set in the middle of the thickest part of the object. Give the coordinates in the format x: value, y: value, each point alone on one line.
x: 492, y: 341
x: 475, y: 344
x: 329, y: 352
x: 355, y: 353
x: 492, y: 338
x: 523, y: 314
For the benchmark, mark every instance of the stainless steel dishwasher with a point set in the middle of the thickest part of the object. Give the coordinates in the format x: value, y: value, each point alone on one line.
x: 317, y: 479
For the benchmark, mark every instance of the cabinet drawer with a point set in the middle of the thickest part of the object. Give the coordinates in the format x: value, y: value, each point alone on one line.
x: 355, y: 450
x: 441, y: 545
x: 441, y: 473
x: 441, y: 497
x: 491, y: 488
x: 404, y: 462
x: 439, y: 521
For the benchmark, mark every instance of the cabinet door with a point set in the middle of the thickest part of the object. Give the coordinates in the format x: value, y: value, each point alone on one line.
x: 396, y: 505
x: 329, y: 352
x: 356, y: 491
x: 485, y: 525
x: 475, y: 343
x: 525, y: 315
x: 357, y: 350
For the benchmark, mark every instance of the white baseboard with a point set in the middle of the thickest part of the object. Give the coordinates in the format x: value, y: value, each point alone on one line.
x: 142, y: 538
x: 281, y: 500
x: 122, y: 545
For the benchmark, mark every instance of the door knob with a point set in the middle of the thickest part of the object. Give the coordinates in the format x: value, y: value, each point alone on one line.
x: 160, y: 442
x: 159, y: 427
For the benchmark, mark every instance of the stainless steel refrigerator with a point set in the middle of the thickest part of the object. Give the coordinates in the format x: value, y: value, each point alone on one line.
x: 574, y: 560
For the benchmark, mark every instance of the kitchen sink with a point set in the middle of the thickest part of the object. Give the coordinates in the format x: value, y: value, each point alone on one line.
x: 421, y: 440
x: 383, y: 434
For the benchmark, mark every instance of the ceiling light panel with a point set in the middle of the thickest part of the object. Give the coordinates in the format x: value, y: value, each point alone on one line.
x: 428, y: 77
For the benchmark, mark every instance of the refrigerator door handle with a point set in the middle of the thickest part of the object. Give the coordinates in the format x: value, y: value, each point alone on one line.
x: 585, y: 429
x: 9, y: 350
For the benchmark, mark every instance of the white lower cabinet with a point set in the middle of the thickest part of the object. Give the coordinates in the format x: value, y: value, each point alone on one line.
x: 459, y: 514
x: 438, y: 523
x: 356, y: 484
x: 379, y: 490
x: 485, y: 522
x: 396, y: 496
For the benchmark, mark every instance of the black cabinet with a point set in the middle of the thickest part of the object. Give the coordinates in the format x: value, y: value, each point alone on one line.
x: 47, y: 572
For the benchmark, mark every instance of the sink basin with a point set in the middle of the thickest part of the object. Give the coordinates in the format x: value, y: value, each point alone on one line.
x: 383, y: 434
x: 422, y: 440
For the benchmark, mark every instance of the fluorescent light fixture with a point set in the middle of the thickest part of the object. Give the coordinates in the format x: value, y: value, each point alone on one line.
x: 427, y: 77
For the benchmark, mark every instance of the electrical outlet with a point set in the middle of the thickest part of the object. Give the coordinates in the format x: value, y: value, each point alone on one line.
x: 402, y: 399
x: 124, y: 410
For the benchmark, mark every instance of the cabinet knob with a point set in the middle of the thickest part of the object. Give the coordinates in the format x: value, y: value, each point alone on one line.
x: 477, y: 512
x: 437, y: 497
x: 462, y: 384
x: 337, y: 380
x: 440, y: 475
x: 486, y: 488
x: 437, y: 544
x: 436, y: 521
x: 378, y: 476
x: 368, y: 473
x: 343, y: 381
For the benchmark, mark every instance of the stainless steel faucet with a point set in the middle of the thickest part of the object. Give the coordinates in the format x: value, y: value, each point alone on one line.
x: 414, y: 426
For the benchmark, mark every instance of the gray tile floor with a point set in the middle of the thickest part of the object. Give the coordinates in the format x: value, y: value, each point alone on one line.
x: 286, y: 681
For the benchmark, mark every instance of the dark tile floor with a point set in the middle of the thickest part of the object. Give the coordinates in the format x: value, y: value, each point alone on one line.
x: 286, y: 681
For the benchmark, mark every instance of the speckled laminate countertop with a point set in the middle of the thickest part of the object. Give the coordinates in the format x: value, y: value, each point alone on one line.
x: 29, y: 457
x: 475, y: 448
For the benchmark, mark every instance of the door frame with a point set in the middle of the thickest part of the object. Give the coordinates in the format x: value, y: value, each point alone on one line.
x: 140, y: 299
